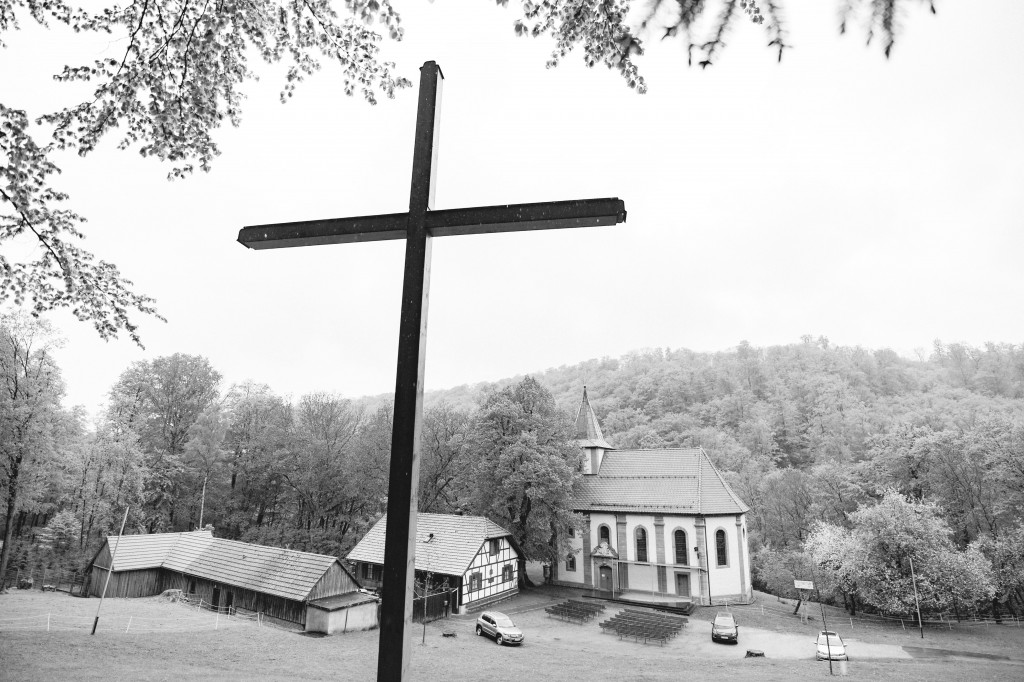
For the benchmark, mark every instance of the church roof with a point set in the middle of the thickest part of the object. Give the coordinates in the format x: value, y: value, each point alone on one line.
x: 456, y: 541
x: 270, y: 570
x: 588, y: 431
x: 662, y: 481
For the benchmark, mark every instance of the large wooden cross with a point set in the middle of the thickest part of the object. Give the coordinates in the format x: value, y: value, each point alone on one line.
x: 417, y: 227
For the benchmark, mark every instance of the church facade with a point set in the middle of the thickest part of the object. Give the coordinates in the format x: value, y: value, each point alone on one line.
x: 658, y: 521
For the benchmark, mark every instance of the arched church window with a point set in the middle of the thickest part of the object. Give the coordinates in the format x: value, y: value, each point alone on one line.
x: 641, y: 544
x: 720, y: 549
x: 604, y: 534
x: 679, y: 537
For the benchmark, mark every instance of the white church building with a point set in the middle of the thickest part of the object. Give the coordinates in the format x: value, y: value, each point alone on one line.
x: 660, y: 522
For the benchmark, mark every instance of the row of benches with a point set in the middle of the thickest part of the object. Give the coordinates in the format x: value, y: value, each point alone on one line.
x: 657, y: 627
x: 576, y: 611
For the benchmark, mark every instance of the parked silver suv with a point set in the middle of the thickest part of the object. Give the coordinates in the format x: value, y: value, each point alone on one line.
x: 500, y: 627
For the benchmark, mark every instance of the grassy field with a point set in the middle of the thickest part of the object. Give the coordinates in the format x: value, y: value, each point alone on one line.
x: 151, y: 639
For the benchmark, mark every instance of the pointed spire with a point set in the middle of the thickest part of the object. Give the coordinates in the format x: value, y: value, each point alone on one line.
x: 588, y: 431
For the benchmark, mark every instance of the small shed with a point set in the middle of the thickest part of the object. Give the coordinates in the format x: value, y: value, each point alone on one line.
x: 278, y: 582
x: 477, y: 556
x: 343, y: 613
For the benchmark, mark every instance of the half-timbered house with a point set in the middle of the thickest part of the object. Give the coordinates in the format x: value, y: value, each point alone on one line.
x: 477, y: 557
x: 661, y: 521
x: 280, y: 583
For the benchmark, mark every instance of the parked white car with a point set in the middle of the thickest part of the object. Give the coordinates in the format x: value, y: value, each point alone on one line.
x: 830, y: 645
x: 500, y: 627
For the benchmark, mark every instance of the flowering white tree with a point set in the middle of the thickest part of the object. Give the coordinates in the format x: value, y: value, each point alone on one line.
x: 873, y: 559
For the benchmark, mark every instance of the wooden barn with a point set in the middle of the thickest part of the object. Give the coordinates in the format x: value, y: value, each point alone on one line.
x: 280, y: 583
x: 476, y: 555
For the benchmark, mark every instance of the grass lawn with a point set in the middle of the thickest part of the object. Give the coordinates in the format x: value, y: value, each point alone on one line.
x: 167, y: 641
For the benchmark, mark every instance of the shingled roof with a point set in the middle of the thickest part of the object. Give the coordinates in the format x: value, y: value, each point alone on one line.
x: 270, y: 570
x: 456, y: 541
x: 588, y: 431
x: 678, y: 480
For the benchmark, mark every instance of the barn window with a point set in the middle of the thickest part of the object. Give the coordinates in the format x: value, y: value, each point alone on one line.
x: 641, y: 544
x: 373, y: 572
x: 720, y: 550
x: 495, y: 546
x: 570, y: 563
x: 680, y: 541
x: 506, y: 573
x: 604, y: 534
x: 192, y: 586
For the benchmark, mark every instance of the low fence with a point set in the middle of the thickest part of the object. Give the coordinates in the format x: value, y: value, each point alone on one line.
x: 199, y: 604
x: 811, y: 610
x: 205, y: 617
x: 47, y: 579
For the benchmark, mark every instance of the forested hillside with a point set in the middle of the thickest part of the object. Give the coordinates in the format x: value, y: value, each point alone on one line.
x: 807, y: 433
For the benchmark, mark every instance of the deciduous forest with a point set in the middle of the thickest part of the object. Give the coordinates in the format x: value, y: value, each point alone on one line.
x: 854, y: 462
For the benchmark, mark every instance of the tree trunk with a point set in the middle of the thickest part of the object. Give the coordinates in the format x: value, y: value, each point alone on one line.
x: 12, y: 501
x: 524, y: 580
x: 202, y: 503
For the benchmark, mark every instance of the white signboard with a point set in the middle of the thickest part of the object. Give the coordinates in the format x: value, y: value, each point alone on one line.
x: 803, y: 584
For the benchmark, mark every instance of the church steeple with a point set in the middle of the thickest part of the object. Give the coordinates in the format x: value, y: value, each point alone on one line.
x: 589, y: 436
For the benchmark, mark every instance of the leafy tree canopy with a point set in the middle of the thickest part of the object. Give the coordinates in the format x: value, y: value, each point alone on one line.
x: 525, y: 469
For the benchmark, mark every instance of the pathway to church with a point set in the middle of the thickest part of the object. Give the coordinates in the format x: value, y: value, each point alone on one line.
x: 527, y: 609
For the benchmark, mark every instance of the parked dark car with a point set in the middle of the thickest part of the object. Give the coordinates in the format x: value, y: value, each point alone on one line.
x: 500, y: 627
x: 724, y: 629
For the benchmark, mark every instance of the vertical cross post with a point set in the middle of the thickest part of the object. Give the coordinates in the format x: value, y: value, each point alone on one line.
x: 395, y: 644
x: 418, y: 226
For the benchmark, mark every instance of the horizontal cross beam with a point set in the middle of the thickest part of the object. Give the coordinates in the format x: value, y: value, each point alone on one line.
x: 451, y: 222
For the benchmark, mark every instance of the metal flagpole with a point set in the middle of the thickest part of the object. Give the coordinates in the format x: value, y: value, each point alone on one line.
x: 917, y: 603
x: 824, y: 623
x: 110, y: 569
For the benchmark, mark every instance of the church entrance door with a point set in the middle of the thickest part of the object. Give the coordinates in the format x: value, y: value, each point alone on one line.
x: 682, y: 584
x: 606, y: 578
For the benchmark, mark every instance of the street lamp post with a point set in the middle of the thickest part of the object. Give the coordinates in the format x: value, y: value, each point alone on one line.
x: 426, y: 583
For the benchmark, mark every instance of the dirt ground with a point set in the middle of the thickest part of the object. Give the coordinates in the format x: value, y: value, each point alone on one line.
x: 150, y: 639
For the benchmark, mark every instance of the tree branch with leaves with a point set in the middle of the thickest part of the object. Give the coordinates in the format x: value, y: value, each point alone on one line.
x: 180, y: 79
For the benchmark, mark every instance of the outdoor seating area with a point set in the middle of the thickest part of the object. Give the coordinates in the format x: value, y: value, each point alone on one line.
x: 645, y: 625
x: 575, y: 611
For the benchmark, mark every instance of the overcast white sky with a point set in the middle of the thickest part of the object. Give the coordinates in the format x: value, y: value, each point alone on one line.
x: 874, y: 202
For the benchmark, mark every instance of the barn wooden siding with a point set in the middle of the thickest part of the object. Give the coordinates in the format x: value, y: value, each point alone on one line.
x: 334, y: 582
x: 277, y: 607
x: 142, y: 583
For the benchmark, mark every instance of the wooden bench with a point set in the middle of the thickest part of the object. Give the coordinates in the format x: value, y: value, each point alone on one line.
x: 647, y: 633
x: 643, y: 625
x: 646, y: 620
x: 569, y: 614
x: 665, y: 617
x: 588, y: 606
